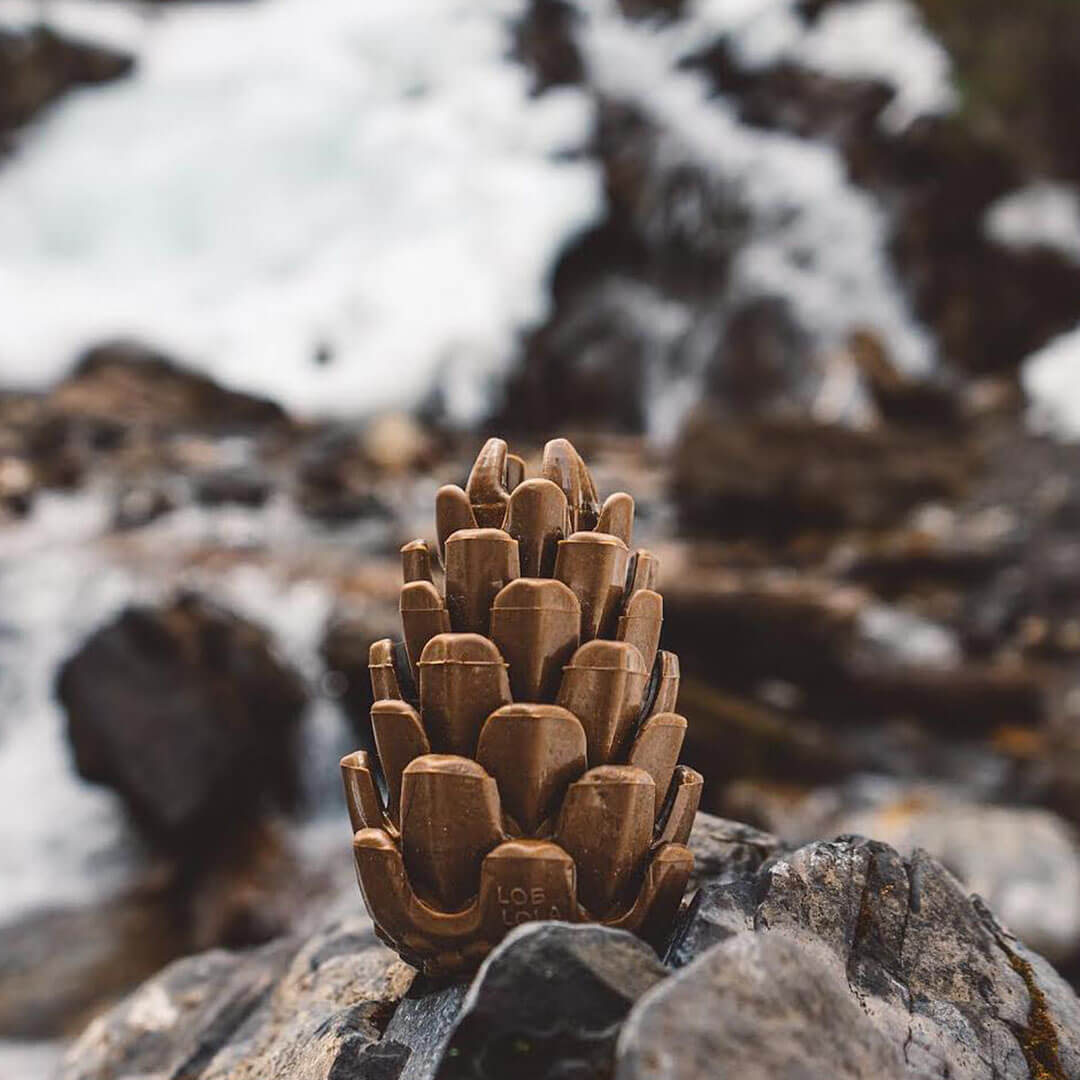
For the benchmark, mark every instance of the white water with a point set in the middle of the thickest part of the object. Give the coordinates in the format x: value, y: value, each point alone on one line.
x: 63, y: 841
x: 816, y: 240
x: 374, y: 180
x: 287, y: 175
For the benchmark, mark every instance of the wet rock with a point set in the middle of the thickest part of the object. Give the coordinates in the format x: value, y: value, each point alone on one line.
x: 38, y: 65
x: 732, y: 737
x: 1023, y: 861
x: 186, y: 711
x: 131, y: 383
x: 728, y: 849
x: 244, y: 485
x: 334, y: 479
x: 544, y: 42
x: 140, y: 503
x: 776, y: 477
x: 838, y: 959
x: 937, y: 985
x: 547, y: 1003
x: 764, y: 1006
x: 58, y: 966
x: 416, y: 1037
x: 762, y: 354
x: 286, y: 1010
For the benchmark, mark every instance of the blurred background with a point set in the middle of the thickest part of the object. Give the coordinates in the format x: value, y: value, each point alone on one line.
x: 802, y: 275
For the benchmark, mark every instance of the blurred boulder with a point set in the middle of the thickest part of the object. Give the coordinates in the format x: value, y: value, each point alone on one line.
x: 60, y: 965
x: 775, y: 477
x: 188, y: 713
x: 761, y: 356
x: 543, y: 41
x: 242, y: 485
x: 128, y: 383
x: 334, y: 478
x: 38, y: 65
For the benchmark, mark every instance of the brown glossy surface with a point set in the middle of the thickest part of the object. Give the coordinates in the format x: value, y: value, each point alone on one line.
x: 640, y: 624
x: 617, y: 516
x: 361, y: 797
x: 562, y: 465
x: 486, y: 487
x: 453, y: 511
x: 449, y: 821
x: 603, y: 686
x: 538, y: 518
x: 593, y: 565
x: 643, y: 572
x: 535, y: 624
x: 534, y: 752
x: 479, y: 562
x: 422, y: 617
x: 463, y: 680
x: 527, y: 880
x: 667, y: 694
x: 384, y: 680
x: 527, y: 737
x: 416, y: 562
x: 656, y: 750
x: 677, y: 815
x: 399, y: 738
x: 606, y: 824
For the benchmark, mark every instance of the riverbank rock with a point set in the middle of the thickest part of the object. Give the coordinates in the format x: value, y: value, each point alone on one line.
x: 38, y: 65
x: 839, y: 959
x: 1022, y: 860
x: 288, y: 1009
x: 188, y: 714
x: 942, y: 988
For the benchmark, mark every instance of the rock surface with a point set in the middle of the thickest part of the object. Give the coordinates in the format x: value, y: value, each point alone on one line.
x: 187, y: 713
x: 37, y: 65
x: 289, y: 1009
x: 839, y: 959
x: 942, y: 988
x: 1023, y: 861
x: 547, y: 1002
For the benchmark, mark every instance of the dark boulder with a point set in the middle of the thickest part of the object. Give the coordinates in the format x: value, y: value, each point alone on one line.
x: 547, y: 1004
x: 38, y: 65
x: 131, y: 383
x: 187, y: 712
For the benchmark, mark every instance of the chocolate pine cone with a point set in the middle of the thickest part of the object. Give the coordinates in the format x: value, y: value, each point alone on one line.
x: 525, y: 726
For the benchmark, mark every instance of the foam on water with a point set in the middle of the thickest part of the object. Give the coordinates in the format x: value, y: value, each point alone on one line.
x: 63, y: 841
x: 373, y: 180
x: 1051, y: 378
x: 815, y: 240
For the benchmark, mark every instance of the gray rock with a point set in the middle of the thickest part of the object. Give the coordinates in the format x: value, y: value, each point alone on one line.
x: 187, y: 712
x: 949, y: 990
x: 839, y: 959
x: 286, y: 1011
x: 1023, y: 861
x: 548, y: 1003
x: 725, y: 850
x: 765, y: 1007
